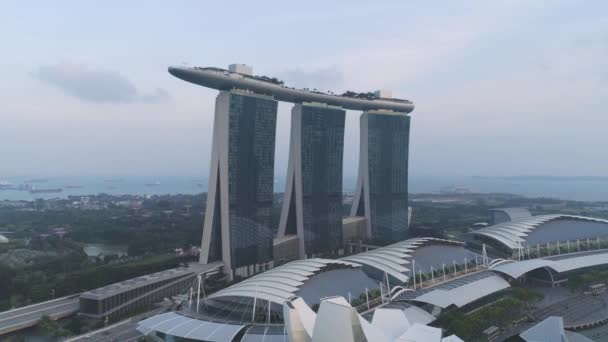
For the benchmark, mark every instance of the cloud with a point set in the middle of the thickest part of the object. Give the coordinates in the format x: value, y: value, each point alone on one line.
x: 97, y: 86
x: 541, y: 64
x: 323, y: 79
x: 582, y: 42
x: 604, y: 79
x: 158, y: 96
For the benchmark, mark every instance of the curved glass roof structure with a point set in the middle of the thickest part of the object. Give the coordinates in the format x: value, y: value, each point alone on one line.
x: 459, y: 291
x: 513, y: 214
x: 558, y: 264
x: 516, y: 234
x: 395, y: 259
x: 174, y: 324
x: 221, y: 79
x: 281, y: 283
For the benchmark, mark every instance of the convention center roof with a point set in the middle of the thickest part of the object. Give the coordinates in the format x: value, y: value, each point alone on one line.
x: 517, y: 234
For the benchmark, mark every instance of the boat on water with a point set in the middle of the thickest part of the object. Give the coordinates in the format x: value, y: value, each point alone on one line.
x: 45, y: 191
x: 73, y: 186
x: 36, y: 180
x: 157, y: 183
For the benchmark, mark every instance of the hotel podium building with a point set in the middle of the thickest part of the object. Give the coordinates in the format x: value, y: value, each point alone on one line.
x: 312, y: 203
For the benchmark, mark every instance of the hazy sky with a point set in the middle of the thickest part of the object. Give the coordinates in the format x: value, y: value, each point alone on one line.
x: 500, y: 87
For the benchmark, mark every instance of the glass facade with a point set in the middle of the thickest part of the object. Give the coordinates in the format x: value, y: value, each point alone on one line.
x: 388, y: 146
x: 322, y: 147
x: 123, y: 303
x: 251, y: 127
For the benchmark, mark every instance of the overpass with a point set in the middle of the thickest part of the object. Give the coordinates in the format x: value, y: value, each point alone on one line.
x: 28, y: 316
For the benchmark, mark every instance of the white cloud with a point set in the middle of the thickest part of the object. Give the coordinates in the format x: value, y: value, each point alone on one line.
x: 96, y: 85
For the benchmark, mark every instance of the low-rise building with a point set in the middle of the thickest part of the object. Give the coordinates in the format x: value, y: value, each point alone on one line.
x: 115, y: 300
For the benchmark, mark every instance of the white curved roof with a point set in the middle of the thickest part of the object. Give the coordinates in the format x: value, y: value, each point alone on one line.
x: 393, y: 259
x: 511, y: 234
x: 460, y: 291
x: 514, y: 214
x: 519, y: 268
x: 281, y: 283
x: 559, y: 264
x: 174, y: 324
x: 3, y: 239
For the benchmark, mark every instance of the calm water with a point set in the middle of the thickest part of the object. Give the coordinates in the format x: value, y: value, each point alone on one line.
x: 585, y: 190
x: 99, y: 249
x: 581, y: 190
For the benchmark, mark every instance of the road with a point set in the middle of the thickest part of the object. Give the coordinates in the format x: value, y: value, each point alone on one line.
x: 25, y: 317
x: 124, y: 331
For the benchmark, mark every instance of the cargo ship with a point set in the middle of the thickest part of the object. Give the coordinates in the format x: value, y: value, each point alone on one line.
x: 45, y: 191
x: 73, y: 186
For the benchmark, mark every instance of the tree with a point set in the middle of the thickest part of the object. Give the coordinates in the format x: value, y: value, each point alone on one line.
x: 75, y: 325
x: 51, y: 327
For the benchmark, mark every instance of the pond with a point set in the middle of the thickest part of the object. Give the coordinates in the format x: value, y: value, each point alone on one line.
x: 100, y: 249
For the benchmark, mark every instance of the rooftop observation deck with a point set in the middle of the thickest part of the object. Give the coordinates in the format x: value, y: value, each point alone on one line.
x: 222, y: 79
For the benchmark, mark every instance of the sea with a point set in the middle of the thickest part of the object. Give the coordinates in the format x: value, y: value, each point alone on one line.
x: 582, y: 189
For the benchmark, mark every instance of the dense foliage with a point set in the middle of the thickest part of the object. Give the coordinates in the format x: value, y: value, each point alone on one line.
x: 501, y: 313
x: 159, y: 224
x: 585, y: 278
x: 73, y: 274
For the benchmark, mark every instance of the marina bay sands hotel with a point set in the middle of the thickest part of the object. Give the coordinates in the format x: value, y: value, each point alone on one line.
x: 238, y: 226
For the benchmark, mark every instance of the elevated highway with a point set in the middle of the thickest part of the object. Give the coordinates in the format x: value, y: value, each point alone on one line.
x: 28, y: 316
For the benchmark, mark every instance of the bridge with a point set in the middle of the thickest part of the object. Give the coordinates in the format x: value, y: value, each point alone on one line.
x: 28, y: 316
